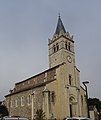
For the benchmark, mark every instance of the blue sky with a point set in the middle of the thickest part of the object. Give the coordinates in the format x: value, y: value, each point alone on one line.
x: 26, y: 25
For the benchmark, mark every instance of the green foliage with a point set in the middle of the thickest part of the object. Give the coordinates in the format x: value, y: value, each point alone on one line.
x: 98, y: 106
x: 93, y: 101
x: 40, y: 115
x: 96, y: 102
x: 3, y: 111
x: 0, y: 102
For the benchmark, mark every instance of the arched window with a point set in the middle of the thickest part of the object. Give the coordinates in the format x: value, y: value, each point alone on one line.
x: 29, y: 99
x: 66, y: 45
x: 16, y: 102
x: 81, y: 103
x: 11, y: 103
x: 69, y: 46
x: 57, y: 46
x: 82, y: 99
x: 54, y: 49
x: 22, y: 101
x: 70, y: 80
x: 53, y: 96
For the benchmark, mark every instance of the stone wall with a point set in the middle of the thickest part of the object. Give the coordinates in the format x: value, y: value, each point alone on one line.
x: 28, y: 95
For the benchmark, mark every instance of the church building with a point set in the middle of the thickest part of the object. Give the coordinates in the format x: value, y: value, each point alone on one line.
x: 57, y: 90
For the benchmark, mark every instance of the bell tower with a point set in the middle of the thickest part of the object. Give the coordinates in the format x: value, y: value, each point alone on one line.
x: 61, y: 46
x: 61, y: 52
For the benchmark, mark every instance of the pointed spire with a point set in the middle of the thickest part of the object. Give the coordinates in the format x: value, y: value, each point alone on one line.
x: 60, y: 26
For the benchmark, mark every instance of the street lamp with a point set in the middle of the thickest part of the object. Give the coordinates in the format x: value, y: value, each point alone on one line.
x: 84, y: 83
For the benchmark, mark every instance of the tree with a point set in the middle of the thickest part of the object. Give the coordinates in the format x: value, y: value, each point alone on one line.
x: 3, y: 111
x: 40, y: 115
x: 96, y: 102
x: 93, y: 101
x: 98, y: 106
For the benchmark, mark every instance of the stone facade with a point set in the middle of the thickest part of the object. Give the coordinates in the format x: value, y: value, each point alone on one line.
x: 56, y: 91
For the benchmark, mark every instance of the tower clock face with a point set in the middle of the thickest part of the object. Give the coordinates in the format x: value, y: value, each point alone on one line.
x: 69, y: 59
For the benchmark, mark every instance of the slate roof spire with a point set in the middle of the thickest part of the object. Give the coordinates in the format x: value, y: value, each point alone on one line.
x: 60, y: 26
